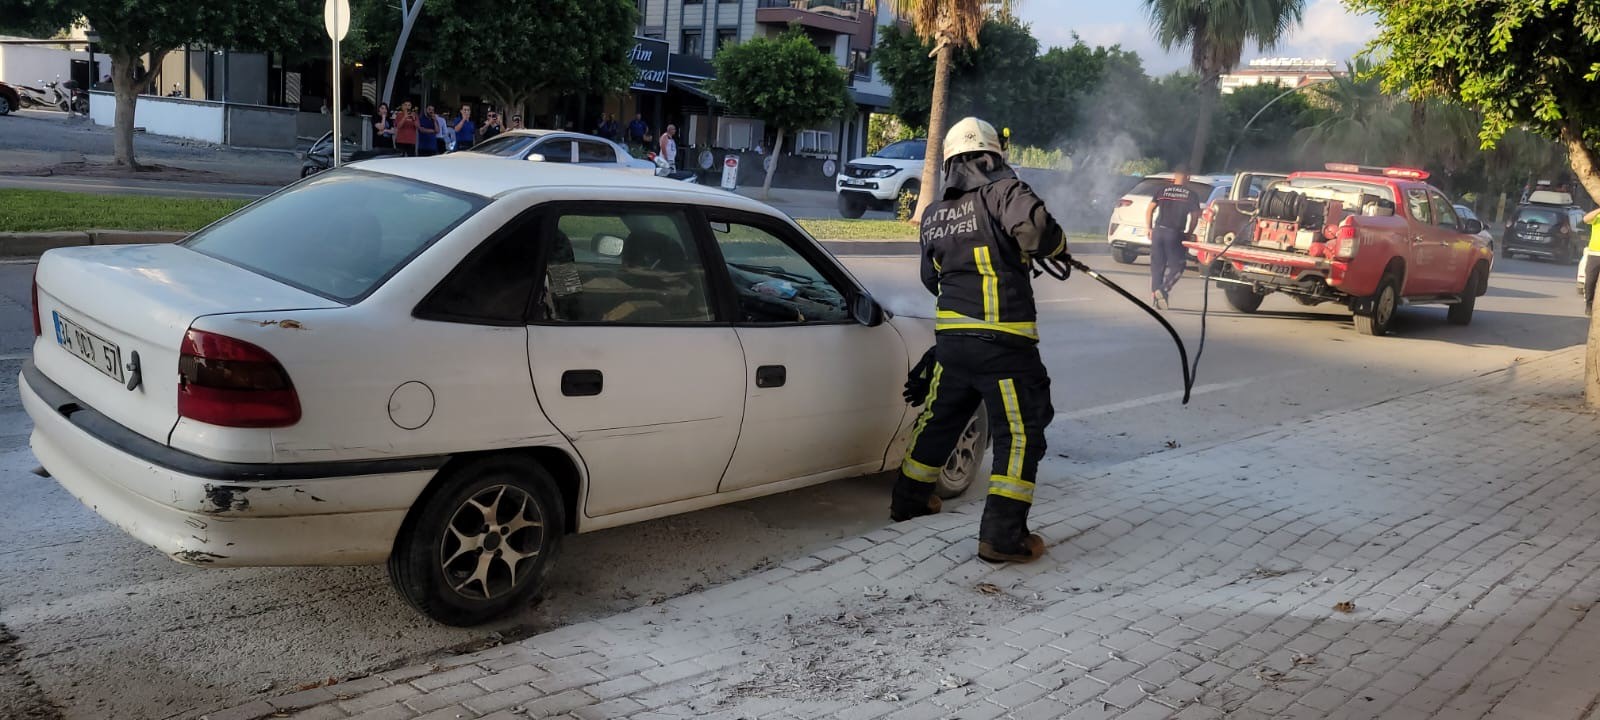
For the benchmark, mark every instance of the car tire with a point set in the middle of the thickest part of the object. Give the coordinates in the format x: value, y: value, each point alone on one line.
x: 909, y: 192
x: 5, y: 105
x: 965, y: 463
x: 1124, y: 255
x: 1385, y: 303
x: 1243, y: 298
x: 504, y: 504
x: 851, y: 206
x: 1461, y: 312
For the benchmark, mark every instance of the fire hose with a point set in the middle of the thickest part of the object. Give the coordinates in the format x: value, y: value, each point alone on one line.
x: 1059, y: 270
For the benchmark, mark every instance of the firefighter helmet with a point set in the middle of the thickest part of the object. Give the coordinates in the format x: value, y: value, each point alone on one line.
x: 971, y: 135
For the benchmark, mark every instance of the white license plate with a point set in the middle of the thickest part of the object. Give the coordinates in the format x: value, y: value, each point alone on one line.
x: 1138, y: 232
x: 1283, y: 270
x: 855, y: 183
x: 89, y: 347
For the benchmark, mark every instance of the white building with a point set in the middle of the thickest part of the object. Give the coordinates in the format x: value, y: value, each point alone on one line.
x: 1284, y: 72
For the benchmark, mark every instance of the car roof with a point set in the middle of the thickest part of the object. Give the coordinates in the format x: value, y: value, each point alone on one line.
x: 538, y: 133
x: 1207, y: 179
x: 492, y: 177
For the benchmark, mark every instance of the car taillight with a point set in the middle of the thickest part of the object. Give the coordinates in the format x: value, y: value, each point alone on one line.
x: 1124, y: 203
x: 38, y: 325
x: 232, y: 383
x: 1348, y: 242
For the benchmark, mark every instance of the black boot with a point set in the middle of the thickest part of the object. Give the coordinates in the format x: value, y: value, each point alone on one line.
x: 1004, y: 536
x: 912, y: 499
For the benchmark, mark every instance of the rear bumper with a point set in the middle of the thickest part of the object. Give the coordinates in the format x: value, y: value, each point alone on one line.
x: 228, y: 521
x: 1281, y: 269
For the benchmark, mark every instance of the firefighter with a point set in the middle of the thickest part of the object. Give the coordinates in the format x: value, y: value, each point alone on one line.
x: 978, y: 243
x: 1171, y: 218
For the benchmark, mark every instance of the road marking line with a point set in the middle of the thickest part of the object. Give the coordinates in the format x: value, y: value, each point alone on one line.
x: 14, y: 357
x: 1171, y: 396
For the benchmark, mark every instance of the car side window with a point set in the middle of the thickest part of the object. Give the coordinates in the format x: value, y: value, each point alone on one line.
x: 773, y: 281
x: 630, y: 267
x: 1417, y: 205
x: 492, y: 285
x: 556, y: 151
x: 593, y: 152
x: 1444, y: 214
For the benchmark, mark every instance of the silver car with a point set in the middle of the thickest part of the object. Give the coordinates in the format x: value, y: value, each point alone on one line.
x: 558, y: 146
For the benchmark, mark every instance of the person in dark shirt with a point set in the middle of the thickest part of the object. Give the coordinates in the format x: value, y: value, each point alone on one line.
x: 465, y: 129
x: 639, y: 132
x: 1173, y: 213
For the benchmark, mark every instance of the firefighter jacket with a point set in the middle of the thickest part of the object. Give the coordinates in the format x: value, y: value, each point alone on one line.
x: 978, y: 244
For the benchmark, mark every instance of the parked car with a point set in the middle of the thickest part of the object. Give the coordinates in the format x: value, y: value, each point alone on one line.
x: 10, y: 99
x: 1127, y: 235
x: 553, y: 146
x: 460, y: 362
x: 1548, y: 226
x: 1364, y: 237
x: 880, y: 180
x: 1466, y: 213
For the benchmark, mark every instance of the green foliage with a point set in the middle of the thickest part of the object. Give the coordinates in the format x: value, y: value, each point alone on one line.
x: 1269, y: 143
x: 1033, y: 157
x: 134, y: 27
x: 785, y: 81
x: 882, y: 130
x: 515, y: 50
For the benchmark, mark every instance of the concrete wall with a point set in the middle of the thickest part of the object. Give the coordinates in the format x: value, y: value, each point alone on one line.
x: 34, y: 64
x: 192, y: 119
x: 259, y: 126
x: 247, y: 73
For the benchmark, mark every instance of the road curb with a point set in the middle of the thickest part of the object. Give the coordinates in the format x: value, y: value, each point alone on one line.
x: 33, y: 244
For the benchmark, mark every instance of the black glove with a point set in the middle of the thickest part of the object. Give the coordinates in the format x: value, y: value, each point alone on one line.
x: 920, y: 380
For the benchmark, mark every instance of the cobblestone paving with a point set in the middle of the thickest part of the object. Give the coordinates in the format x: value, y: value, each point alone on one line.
x: 1431, y: 556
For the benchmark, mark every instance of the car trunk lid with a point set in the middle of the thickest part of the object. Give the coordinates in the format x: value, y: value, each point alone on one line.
x: 102, y: 307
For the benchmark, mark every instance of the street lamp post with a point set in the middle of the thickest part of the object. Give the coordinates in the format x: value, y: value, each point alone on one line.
x: 1229, y: 161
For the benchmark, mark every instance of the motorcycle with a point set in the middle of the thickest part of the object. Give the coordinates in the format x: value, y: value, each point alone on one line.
x: 319, y: 156
x: 64, y: 96
x: 664, y: 170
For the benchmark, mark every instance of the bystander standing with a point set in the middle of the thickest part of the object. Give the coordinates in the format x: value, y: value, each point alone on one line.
x: 466, y: 131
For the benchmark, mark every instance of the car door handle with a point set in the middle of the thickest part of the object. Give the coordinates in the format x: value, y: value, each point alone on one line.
x: 771, y: 376
x: 582, y: 383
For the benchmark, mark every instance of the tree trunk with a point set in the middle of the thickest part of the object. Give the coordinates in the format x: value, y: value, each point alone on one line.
x: 928, y: 191
x: 766, y: 183
x: 1584, y: 166
x: 1202, y: 127
x: 408, y: 18
x: 127, y: 91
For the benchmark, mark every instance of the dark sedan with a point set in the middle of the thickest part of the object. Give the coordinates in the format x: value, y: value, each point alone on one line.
x: 1550, y: 232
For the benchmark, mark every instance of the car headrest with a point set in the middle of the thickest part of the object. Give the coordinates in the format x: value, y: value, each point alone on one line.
x: 652, y: 250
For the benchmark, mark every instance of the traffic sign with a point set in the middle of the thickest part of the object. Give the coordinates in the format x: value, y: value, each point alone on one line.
x: 336, y: 18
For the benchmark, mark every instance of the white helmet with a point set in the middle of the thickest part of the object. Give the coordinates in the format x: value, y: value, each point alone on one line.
x: 971, y: 135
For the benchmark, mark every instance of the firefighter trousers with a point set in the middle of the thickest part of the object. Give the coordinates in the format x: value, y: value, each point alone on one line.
x: 1008, y: 378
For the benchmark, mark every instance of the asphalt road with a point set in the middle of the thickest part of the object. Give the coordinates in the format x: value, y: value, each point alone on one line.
x: 109, y: 628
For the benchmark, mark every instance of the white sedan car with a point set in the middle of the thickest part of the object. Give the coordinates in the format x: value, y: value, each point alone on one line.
x: 449, y: 363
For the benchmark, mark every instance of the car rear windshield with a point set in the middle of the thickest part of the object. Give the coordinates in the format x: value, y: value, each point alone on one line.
x: 340, y: 234
x: 1541, y: 216
x: 1148, y: 187
x: 510, y: 146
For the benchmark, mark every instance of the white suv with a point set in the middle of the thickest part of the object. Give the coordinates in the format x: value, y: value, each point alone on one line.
x: 1127, y: 234
x: 877, y: 182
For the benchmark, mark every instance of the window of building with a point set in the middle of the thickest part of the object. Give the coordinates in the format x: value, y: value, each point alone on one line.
x: 727, y: 36
x: 693, y: 43
x: 861, y: 64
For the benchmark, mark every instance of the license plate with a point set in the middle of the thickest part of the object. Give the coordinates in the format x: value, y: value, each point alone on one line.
x: 89, y: 347
x: 1138, y: 232
x: 1284, y: 270
x: 854, y: 183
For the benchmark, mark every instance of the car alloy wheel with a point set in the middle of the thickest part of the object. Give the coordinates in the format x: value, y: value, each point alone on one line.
x: 480, y: 541
x: 964, y: 463
x: 1384, y: 305
x: 491, y: 542
x: 5, y: 105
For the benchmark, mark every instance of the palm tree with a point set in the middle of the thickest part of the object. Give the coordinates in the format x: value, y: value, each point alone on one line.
x: 1215, y: 32
x: 948, y: 25
x: 1364, y: 124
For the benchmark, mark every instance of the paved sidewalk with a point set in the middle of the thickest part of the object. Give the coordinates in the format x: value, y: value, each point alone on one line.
x: 1431, y: 556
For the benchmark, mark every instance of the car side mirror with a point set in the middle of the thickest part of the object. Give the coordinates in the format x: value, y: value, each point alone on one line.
x: 1472, y: 227
x: 867, y: 311
x: 608, y: 245
x: 536, y: 157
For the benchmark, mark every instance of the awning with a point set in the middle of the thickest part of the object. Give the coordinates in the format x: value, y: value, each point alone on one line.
x: 693, y: 88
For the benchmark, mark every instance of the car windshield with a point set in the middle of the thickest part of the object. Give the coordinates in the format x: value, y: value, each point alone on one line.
x: 505, y: 146
x: 1148, y: 187
x: 340, y: 234
x: 1539, y: 216
x: 904, y: 150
